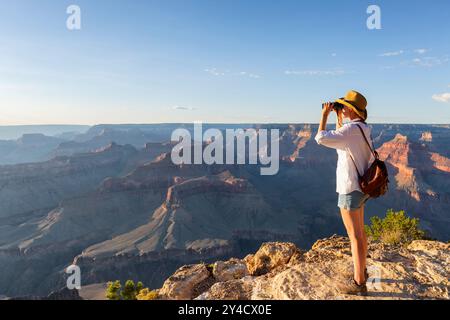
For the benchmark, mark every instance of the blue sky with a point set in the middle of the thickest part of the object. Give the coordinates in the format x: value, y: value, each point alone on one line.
x: 221, y: 61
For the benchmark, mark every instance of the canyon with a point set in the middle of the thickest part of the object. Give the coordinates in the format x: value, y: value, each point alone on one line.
x: 111, y: 201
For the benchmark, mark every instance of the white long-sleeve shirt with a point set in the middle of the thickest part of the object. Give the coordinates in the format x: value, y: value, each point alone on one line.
x: 345, y: 139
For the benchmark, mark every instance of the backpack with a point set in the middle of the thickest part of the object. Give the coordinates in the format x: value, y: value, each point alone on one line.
x: 375, y: 181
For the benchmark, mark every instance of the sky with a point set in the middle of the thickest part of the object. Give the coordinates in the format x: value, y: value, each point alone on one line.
x: 224, y: 61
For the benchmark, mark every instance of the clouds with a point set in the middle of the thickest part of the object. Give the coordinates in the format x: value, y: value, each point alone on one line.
x: 220, y: 73
x: 442, y: 97
x: 417, y: 58
x: 183, y: 108
x: 334, y: 72
x: 399, y: 59
x: 421, y: 51
x: 392, y: 53
x: 215, y: 72
x: 250, y: 75
x: 428, y: 61
x: 326, y: 72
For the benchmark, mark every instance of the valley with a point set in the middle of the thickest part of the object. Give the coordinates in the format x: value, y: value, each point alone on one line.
x: 111, y: 201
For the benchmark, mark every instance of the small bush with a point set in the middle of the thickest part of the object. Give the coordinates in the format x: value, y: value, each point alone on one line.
x: 396, y: 228
x: 147, y: 294
x: 129, y: 291
x: 210, y: 267
x: 113, y: 290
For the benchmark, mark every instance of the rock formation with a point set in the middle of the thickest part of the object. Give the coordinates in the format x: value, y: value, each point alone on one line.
x: 28, y: 148
x: 422, y: 175
x: 62, y: 294
x: 280, y: 271
x: 426, y: 136
x: 119, y: 211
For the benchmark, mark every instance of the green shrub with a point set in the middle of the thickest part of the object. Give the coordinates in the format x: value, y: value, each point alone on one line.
x: 396, y: 228
x: 139, y: 287
x: 147, y: 294
x: 113, y: 290
x: 210, y: 267
x: 129, y: 291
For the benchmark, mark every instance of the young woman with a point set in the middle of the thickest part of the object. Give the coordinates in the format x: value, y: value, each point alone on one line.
x: 354, y: 156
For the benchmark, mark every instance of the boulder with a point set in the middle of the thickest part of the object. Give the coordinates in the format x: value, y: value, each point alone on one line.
x: 270, y: 256
x: 184, y: 283
x: 229, y: 270
x: 240, y: 289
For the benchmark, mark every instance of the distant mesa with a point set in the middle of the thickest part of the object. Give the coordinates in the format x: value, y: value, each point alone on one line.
x: 426, y: 137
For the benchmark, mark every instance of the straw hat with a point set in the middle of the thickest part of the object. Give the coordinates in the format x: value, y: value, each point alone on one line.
x: 357, y: 102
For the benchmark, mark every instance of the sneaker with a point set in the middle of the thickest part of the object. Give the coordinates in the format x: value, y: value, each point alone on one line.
x: 351, y: 287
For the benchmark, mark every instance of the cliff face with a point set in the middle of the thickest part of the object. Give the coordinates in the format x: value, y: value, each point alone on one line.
x: 420, y: 173
x: 398, y: 153
x: 121, y: 211
x: 281, y: 271
x: 28, y: 148
x: 98, y: 137
x: 201, y: 218
x: 293, y: 140
x: 41, y: 186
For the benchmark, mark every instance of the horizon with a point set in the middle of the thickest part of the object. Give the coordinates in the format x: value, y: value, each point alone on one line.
x: 208, y: 123
x: 14, y: 132
x: 223, y: 62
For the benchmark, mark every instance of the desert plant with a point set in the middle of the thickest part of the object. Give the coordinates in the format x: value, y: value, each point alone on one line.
x: 139, y: 287
x: 146, y: 294
x: 129, y: 291
x: 113, y: 290
x: 395, y: 228
x: 210, y: 267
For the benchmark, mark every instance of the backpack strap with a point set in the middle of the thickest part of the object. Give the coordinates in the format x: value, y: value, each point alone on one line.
x: 354, y: 164
x: 374, y: 152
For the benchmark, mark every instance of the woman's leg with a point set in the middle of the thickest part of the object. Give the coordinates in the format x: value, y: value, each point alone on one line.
x: 366, y: 248
x: 354, y: 224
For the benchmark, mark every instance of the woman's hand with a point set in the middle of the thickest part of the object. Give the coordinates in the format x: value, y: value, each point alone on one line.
x: 327, y: 108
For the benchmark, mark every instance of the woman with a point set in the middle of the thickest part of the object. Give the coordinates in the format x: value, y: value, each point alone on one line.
x: 347, y: 139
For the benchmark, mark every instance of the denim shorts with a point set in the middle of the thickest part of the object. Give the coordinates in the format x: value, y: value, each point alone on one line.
x: 353, y: 200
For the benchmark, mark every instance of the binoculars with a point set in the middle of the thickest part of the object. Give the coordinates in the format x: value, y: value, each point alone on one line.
x: 336, y: 106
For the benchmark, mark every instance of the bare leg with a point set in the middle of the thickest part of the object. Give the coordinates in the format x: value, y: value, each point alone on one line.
x: 366, y: 249
x: 354, y: 224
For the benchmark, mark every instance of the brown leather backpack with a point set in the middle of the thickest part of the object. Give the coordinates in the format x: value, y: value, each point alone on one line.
x: 375, y: 181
